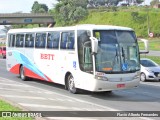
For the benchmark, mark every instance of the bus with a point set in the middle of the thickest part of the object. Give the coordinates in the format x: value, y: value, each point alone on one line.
x: 89, y: 57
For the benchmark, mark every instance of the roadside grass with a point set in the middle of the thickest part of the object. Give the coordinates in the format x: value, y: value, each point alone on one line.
x: 2, y: 45
x: 4, y: 106
x: 154, y: 58
x: 153, y: 45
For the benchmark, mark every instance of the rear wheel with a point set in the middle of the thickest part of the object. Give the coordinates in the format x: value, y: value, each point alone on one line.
x: 22, y: 73
x: 3, y: 56
x: 71, y: 84
x: 143, y: 77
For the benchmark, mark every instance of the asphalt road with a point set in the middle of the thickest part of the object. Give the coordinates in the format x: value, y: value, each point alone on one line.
x: 38, y: 95
x: 153, y: 53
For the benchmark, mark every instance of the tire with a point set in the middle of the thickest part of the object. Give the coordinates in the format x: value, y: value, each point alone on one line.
x: 3, y: 56
x: 22, y: 74
x: 71, y: 85
x: 143, y: 77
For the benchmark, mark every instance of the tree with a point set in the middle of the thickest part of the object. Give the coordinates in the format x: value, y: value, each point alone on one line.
x: 154, y: 2
x: 39, y: 8
x: 139, y: 1
x: 70, y: 11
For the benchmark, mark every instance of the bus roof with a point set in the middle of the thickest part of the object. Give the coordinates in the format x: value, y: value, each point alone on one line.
x: 77, y: 27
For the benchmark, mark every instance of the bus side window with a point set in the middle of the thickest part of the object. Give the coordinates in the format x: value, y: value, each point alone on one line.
x: 64, y: 40
x: 40, y: 40
x: 19, y: 40
x: 67, y: 40
x: 53, y: 40
x: 71, y: 41
x: 11, y: 40
x: 29, y: 40
x: 84, y: 51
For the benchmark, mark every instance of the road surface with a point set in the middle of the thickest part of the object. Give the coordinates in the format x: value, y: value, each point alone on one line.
x: 37, y: 95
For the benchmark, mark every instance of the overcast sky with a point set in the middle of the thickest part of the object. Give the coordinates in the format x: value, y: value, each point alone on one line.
x: 10, y: 6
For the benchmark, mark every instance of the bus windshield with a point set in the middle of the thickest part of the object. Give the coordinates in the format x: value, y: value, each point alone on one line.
x: 117, y: 51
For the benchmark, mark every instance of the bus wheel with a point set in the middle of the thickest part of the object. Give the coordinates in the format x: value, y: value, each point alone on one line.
x: 22, y: 75
x: 71, y: 84
x: 3, y: 56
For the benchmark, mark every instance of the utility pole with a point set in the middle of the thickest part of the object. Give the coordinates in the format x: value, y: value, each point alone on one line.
x: 148, y: 21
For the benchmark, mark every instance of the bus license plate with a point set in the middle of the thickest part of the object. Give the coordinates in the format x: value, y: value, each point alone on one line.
x: 120, y: 85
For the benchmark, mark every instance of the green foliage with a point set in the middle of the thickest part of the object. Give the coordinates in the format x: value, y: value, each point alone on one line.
x: 153, y: 45
x: 7, y: 107
x: 70, y: 11
x: 154, y: 58
x: 140, y: 1
x: 138, y: 18
x: 154, y: 2
x: 25, y: 26
x: 39, y: 8
x: 133, y: 17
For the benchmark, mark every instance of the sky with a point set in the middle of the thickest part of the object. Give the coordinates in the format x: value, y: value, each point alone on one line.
x: 11, y: 6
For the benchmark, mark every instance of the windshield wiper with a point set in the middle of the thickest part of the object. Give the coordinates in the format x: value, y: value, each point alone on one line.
x: 115, y: 58
x: 123, y: 55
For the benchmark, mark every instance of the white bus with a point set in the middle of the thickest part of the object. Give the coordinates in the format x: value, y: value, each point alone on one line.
x: 89, y: 57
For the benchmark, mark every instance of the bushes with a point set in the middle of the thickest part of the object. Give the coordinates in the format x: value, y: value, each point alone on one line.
x: 138, y: 20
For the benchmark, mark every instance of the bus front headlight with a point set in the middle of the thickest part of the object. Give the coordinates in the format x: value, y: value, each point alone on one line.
x: 101, y: 78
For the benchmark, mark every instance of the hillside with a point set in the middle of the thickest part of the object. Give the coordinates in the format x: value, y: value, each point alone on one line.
x: 136, y: 19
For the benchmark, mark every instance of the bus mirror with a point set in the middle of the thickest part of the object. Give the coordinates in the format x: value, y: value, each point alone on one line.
x: 145, y: 45
x: 94, y: 44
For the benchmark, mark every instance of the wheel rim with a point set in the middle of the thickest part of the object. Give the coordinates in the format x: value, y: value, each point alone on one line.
x: 143, y: 77
x: 22, y: 73
x: 71, y: 83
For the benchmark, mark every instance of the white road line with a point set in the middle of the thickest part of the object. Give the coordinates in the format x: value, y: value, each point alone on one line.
x: 38, y: 98
x: 74, y: 118
x: 76, y: 99
x: 48, y: 106
x: 26, y: 97
x: 24, y: 91
x: 157, y: 84
x: 20, y: 85
x: 7, y: 81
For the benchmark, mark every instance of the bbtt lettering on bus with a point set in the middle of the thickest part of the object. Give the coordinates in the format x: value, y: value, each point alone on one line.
x: 47, y: 56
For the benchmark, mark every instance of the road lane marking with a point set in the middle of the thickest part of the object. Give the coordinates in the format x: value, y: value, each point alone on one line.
x: 20, y: 85
x: 157, y: 84
x: 24, y: 91
x: 76, y: 118
x: 26, y: 97
x: 76, y: 99
x: 7, y: 81
x: 38, y: 98
x: 48, y: 106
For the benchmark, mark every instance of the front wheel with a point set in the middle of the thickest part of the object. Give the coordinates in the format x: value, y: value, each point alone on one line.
x: 71, y: 84
x: 22, y: 73
x: 143, y: 77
